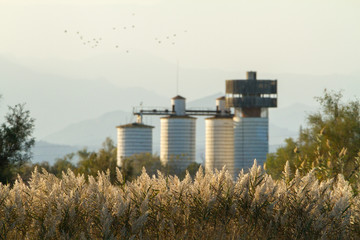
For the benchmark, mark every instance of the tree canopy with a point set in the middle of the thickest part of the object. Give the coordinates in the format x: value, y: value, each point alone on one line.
x: 330, y: 142
x: 90, y: 163
x: 15, y: 142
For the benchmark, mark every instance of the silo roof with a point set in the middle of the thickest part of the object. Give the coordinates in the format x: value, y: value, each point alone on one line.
x: 221, y: 98
x: 178, y: 97
x: 134, y: 125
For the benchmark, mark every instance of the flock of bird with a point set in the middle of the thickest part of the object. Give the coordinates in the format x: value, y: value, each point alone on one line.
x: 91, y: 42
x: 96, y: 42
x: 168, y: 38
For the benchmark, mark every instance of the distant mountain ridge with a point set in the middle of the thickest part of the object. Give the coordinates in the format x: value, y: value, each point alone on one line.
x: 59, y: 92
x: 80, y: 103
x: 56, y: 101
x: 92, y: 132
x: 48, y: 152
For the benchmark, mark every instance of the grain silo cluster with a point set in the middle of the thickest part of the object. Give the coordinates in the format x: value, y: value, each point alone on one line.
x: 236, y: 130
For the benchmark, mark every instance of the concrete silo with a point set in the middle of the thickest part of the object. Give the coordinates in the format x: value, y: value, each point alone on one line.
x: 251, y: 138
x: 177, y: 137
x: 133, y: 138
x: 251, y: 99
x: 219, y: 131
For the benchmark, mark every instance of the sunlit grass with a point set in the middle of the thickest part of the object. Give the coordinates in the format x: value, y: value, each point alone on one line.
x: 210, y: 206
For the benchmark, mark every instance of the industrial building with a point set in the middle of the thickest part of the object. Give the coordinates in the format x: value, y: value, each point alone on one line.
x: 177, y: 137
x: 250, y: 98
x: 178, y: 131
x: 133, y: 138
x: 219, y: 139
x: 237, y: 130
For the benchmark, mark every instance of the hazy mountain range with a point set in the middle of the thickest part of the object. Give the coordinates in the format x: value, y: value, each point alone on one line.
x: 56, y: 101
x: 92, y: 132
x: 73, y: 109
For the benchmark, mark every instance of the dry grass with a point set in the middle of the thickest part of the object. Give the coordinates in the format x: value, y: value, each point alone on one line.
x: 210, y: 206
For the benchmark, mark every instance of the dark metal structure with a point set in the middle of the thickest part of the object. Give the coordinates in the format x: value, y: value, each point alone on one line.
x: 251, y: 93
x: 167, y: 112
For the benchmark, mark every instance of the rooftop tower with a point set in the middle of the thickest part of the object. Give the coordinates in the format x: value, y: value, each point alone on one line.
x: 250, y: 99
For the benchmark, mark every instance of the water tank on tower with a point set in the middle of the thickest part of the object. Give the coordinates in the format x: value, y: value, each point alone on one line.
x: 133, y: 138
x: 251, y: 99
x: 177, y: 138
x: 220, y: 139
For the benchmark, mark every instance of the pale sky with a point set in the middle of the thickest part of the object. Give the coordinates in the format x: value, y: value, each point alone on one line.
x: 307, y: 36
x: 292, y: 41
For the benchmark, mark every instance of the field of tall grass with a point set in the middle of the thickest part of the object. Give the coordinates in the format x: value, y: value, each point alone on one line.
x: 210, y: 206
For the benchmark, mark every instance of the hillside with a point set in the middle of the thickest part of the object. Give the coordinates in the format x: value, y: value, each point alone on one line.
x: 92, y: 132
x: 44, y: 151
x: 56, y: 101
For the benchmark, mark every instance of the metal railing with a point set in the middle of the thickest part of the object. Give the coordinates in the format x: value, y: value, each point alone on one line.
x: 166, y: 111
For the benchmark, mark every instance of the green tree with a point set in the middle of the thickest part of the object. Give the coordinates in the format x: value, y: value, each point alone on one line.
x: 90, y: 163
x: 192, y: 169
x: 330, y: 143
x: 28, y: 168
x: 15, y: 142
x: 132, y: 166
x: 275, y: 162
x: 62, y: 164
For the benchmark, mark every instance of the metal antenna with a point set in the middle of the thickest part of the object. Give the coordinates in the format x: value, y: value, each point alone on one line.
x: 177, y: 77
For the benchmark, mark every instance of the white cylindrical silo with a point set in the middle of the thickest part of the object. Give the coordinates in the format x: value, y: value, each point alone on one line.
x: 132, y: 139
x: 219, y: 143
x: 251, y: 139
x: 177, y: 141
